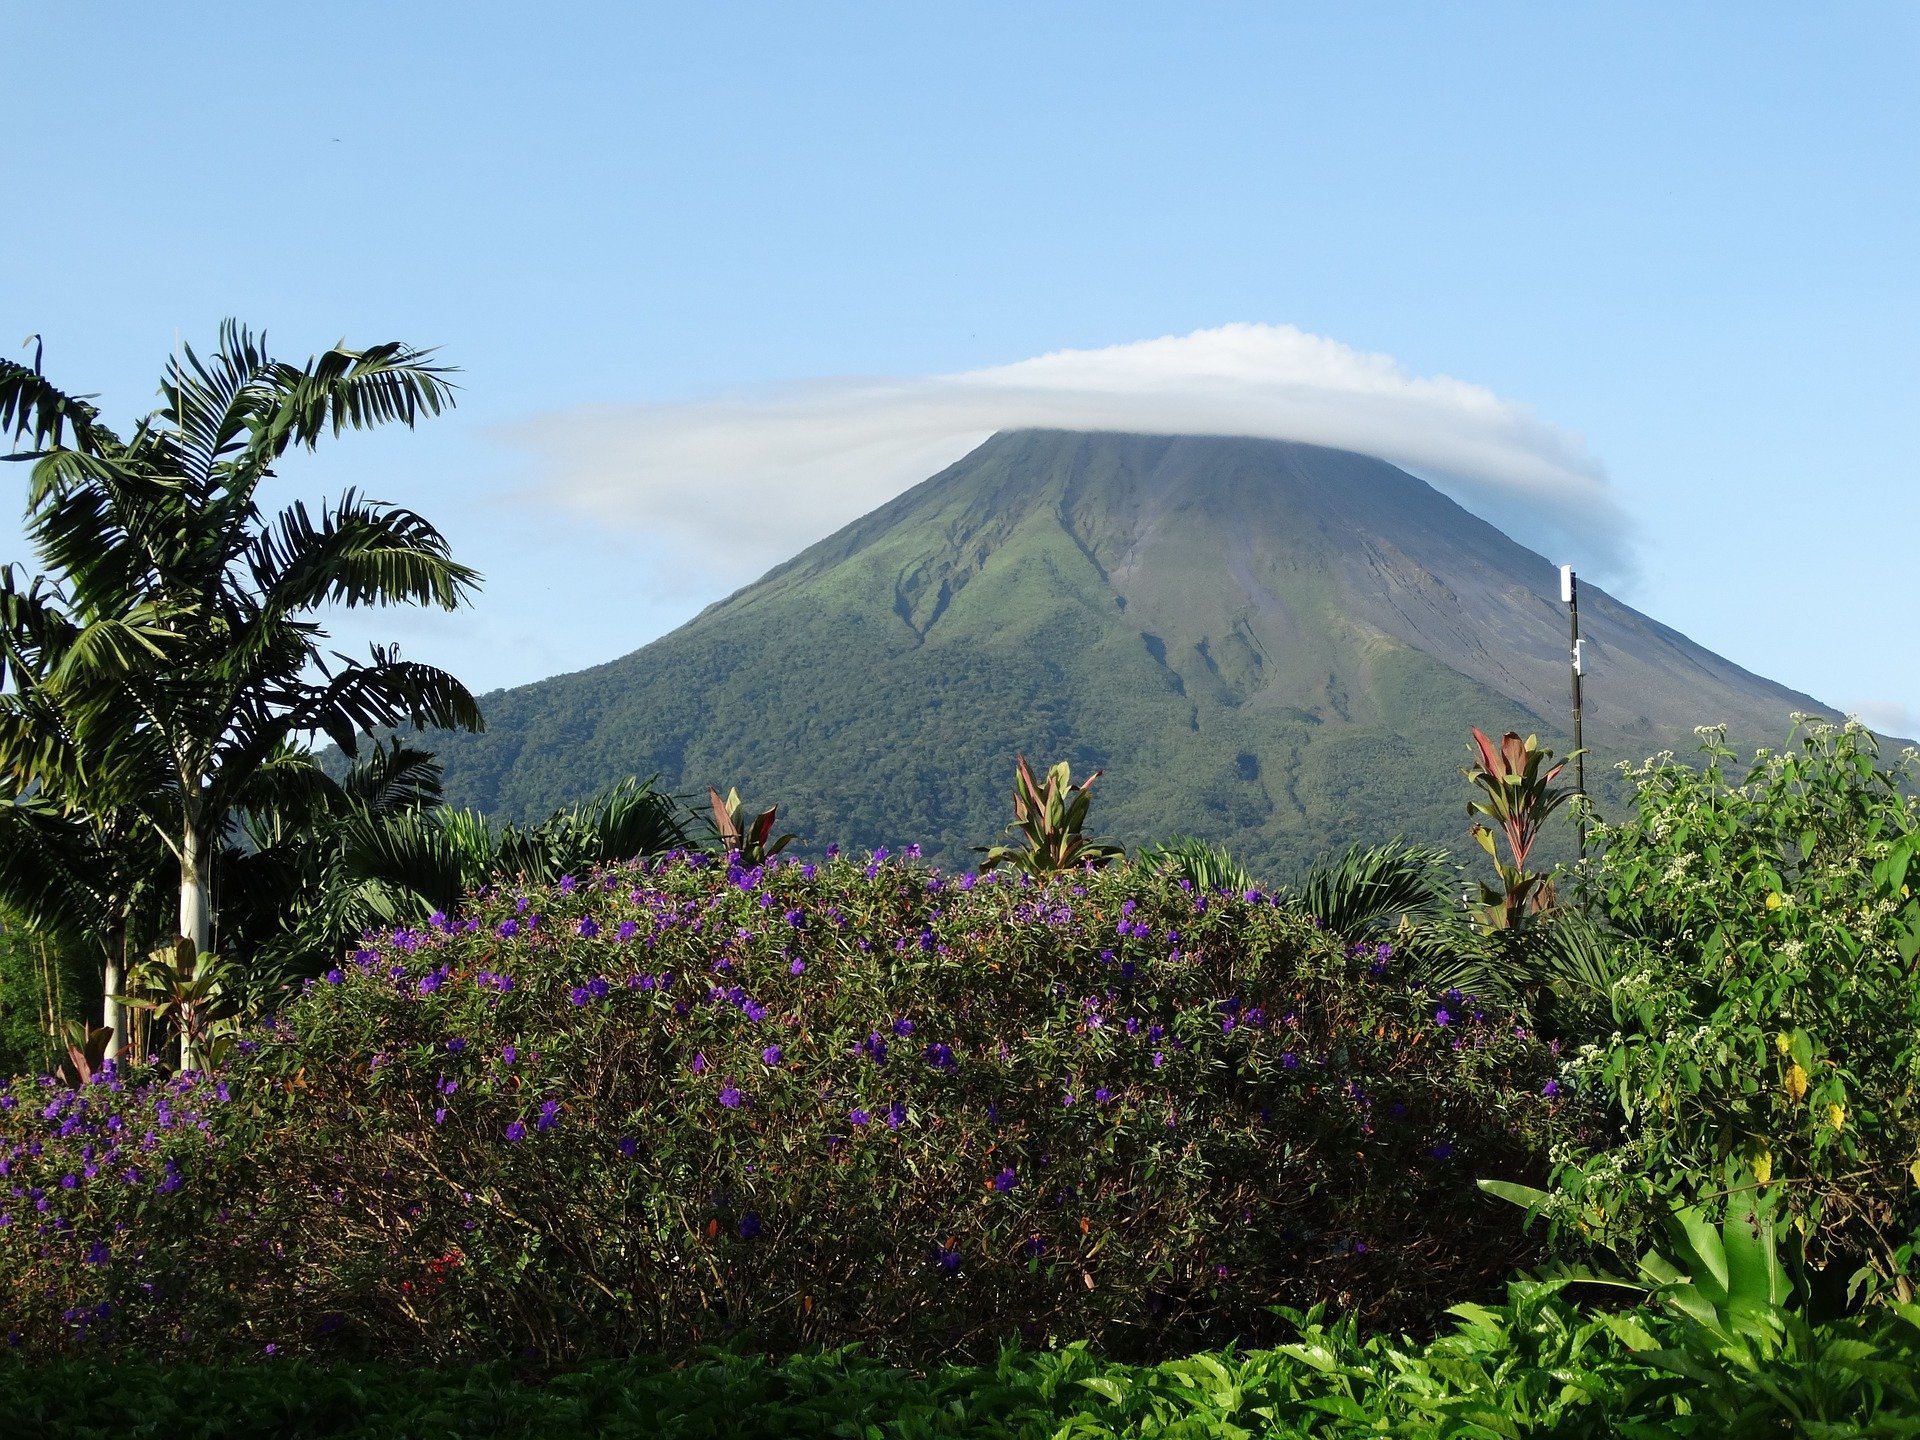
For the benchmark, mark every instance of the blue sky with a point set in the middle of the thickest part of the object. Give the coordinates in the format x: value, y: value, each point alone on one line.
x: 1670, y: 250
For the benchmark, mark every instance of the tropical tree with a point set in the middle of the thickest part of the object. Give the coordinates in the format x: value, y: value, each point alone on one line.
x: 171, y: 648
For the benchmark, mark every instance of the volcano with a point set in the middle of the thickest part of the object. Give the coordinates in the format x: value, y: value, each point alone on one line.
x: 1275, y: 645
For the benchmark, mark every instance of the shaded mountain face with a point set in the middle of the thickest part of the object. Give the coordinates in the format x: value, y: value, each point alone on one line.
x: 1276, y: 645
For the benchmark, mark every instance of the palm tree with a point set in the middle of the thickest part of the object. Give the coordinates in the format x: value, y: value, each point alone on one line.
x: 173, y: 654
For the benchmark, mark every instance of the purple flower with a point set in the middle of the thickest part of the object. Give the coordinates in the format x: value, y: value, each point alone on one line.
x: 98, y: 1253
x: 1441, y: 1017
x: 1159, y: 1059
x: 440, y: 1116
x: 456, y: 1045
x: 1005, y: 1180
x: 699, y: 1066
x: 588, y: 928
x: 334, y: 977
x: 1550, y: 1089
x: 509, y: 1054
x: 729, y: 1096
x: 516, y: 1132
x: 1102, y: 1095
x: 597, y: 988
x: 508, y: 928
x: 578, y: 995
x: 770, y: 1055
x: 627, y: 1146
x: 896, y: 1115
x: 940, y: 1057
x: 1443, y: 1151
x: 857, y: 1116
x: 903, y: 1028
x: 749, y: 1226
x: 798, y: 967
x: 549, y: 1116
x: 628, y: 929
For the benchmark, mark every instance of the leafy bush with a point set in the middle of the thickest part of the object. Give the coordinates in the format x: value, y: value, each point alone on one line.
x: 1535, y: 1365
x: 792, y: 1106
x: 1768, y: 1017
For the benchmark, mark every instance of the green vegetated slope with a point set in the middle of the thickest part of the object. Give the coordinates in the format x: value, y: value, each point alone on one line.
x: 1272, y: 644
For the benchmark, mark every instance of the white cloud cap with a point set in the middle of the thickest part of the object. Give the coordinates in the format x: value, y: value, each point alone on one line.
x: 732, y: 486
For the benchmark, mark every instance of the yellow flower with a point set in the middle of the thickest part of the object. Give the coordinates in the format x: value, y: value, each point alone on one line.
x: 1783, y: 1042
x: 1773, y: 900
x: 1837, y: 1116
x: 1763, y: 1166
x: 1796, y: 1081
x: 1914, y: 1170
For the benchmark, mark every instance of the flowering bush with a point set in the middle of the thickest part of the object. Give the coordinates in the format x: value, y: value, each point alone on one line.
x: 1768, y: 1019
x: 786, y: 1106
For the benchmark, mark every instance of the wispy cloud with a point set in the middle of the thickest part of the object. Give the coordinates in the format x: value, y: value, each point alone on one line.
x: 731, y: 486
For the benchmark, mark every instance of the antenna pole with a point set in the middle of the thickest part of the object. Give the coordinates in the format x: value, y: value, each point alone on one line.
x: 1570, y: 593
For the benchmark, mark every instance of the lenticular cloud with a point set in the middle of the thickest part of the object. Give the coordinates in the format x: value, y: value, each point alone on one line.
x: 735, y: 485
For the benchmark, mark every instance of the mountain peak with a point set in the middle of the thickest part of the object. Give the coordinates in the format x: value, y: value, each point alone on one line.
x: 1266, y: 642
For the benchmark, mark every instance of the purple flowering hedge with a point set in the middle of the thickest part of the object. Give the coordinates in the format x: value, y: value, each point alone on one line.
x: 792, y: 1106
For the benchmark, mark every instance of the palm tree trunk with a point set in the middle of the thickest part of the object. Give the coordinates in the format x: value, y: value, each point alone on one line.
x: 196, y: 923
x: 113, y: 1016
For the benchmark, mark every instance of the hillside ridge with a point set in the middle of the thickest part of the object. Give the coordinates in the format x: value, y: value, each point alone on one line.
x: 1265, y: 642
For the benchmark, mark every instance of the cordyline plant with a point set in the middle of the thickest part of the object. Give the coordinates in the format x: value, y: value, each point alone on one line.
x: 1518, y: 798
x: 1050, y: 818
x: 748, y: 839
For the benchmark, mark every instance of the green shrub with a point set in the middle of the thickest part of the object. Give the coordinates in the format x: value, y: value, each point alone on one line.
x: 1767, y: 1014
x: 1533, y: 1366
x: 794, y: 1106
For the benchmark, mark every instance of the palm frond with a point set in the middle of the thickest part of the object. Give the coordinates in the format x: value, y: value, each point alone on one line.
x: 393, y: 777
x: 382, y: 695
x: 33, y: 409
x: 53, y: 876
x: 352, y: 389
x: 630, y: 820
x: 356, y: 553
x: 1366, y: 889
x: 1203, y: 866
x: 212, y: 406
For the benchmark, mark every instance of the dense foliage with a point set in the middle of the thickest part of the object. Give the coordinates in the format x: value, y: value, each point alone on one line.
x: 1766, y: 1015
x: 788, y: 1106
x: 1534, y: 1366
